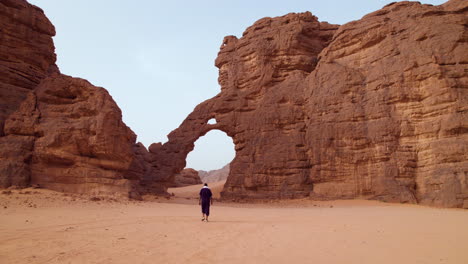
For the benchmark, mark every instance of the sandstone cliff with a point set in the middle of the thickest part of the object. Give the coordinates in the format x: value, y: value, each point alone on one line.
x: 26, y: 57
x: 56, y: 131
x: 26, y: 53
x: 387, y: 107
x: 374, y: 109
x: 260, y: 106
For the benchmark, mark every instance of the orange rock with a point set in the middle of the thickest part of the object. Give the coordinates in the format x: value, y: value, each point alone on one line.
x: 261, y: 106
x: 387, y: 107
x: 80, y: 143
x: 186, y: 177
x: 56, y: 131
x: 374, y: 109
x: 26, y: 53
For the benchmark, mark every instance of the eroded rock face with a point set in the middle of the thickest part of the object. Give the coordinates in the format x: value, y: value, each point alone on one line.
x: 76, y: 138
x: 375, y: 108
x: 260, y: 106
x: 387, y: 107
x: 26, y: 58
x: 26, y: 53
x: 186, y: 177
x: 59, y: 132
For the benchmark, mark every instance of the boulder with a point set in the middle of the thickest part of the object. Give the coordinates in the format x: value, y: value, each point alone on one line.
x: 186, y: 177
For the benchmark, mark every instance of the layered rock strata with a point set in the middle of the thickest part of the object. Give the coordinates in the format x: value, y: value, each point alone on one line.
x: 26, y: 53
x: 260, y: 106
x: 374, y: 109
x: 57, y: 132
x: 387, y: 107
x: 26, y: 58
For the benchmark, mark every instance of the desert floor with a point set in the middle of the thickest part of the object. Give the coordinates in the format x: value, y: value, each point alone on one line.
x: 40, y: 226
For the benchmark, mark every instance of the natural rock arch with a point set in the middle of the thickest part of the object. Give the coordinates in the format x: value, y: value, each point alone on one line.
x: 170, y: 158
x: 252, y: 166
x: 264, y: 119
x: 375, y: 109
x: 362, y: 110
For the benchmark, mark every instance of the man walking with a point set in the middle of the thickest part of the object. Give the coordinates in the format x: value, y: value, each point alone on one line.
x: 205, y: 201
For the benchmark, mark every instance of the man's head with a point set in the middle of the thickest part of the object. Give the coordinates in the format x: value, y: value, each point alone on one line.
x: 206, y: 184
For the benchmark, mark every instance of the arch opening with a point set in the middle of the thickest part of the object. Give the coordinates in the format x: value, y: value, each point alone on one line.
x: 212, y: 156
x: 212, y: 121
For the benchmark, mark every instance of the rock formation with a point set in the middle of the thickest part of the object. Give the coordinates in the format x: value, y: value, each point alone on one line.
x: 374, y: 109
x: 26, y: 58
x: 387, y: 107
x: 59, y: 132
x: 186, y: 177
x: 260, y: 106
x: 215, y: 175
x: 26, y: 53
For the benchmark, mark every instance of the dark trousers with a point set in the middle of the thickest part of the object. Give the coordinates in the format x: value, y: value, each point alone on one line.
x: 205, y: 207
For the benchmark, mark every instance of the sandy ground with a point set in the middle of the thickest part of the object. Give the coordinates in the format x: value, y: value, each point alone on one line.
x: 194, y: 190
x: 40, y: 226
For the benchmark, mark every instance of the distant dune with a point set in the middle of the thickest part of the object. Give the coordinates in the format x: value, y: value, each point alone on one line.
x: 193, y: 190
x: 214, y: 175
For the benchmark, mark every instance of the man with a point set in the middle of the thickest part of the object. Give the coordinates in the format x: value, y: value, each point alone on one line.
x: 205, y: 201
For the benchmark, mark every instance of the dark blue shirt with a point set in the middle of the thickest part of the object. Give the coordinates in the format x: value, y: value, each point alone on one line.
x: 205, y: 194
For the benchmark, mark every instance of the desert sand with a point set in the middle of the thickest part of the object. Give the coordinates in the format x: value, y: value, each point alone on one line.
x: 41, y: 226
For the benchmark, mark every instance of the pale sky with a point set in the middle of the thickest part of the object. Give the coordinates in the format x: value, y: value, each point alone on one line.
x: 156, y: 58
